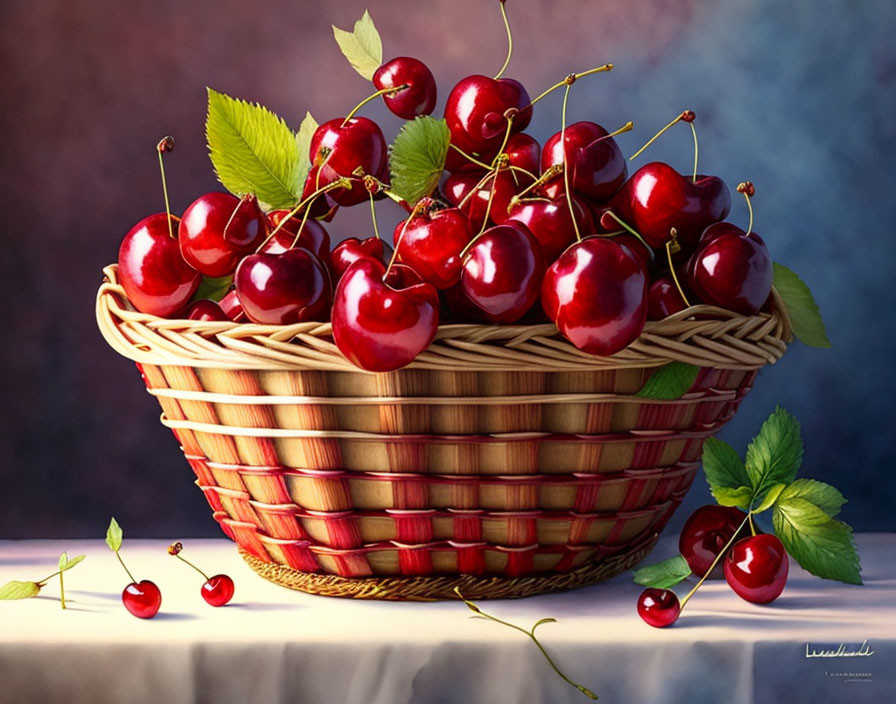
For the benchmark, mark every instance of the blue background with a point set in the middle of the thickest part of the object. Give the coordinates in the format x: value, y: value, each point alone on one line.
x: 796, y: 96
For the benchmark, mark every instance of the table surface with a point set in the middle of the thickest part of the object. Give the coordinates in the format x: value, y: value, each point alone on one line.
x: 274, y: 645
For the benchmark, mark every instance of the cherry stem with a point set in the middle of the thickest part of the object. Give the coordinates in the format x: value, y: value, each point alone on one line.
x: 627, y: 127
x: 749, y: 207
x: 571, y: 78
x: 509, y: 40
x: 572, y: 212
x: 531, y: 634
x: 161, y: 149
x: 185, y: 560
x: 342, y: 182
x: 491, y: 196
x: 549, y: 173
x: 61, y: 589
x: 469, y: 157
x: 384, y: 91
x: 657, y: 135
x: 376, y: 230
x: 715, y: 561
x: 118, y: 555
x: 673, y: 242
x: 696, y: 150
x: 232, y: 216
x: 418, y: 207
x: 628, y: 228
x: 476, y: 188
x: 752, y: 525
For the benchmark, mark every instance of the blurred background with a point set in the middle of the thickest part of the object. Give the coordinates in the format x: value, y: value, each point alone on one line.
x: 797, y: 96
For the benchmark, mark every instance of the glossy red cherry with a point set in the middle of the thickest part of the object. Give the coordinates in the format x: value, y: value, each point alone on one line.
x: 476, y: 208
x: 154, y: 275
x: 475, y: 112
x: 314, y: 236
x: 550, y: 222
x: 205, y: 309
x: 658, y: 607
x: 279, y: 289
x: 657, y: 198
x: 731, y: 269
x: 596, y: 294
x: 352, y: 249
x: 218, y: 229
x: 232, y: 307
x: 419, y: 98
x: 596, y: 166
x: 523, y: 151
x: 663, y: 298
x: 142, y: 599
x: 344, y: 150
x: 218, y: 590
x: 432, y: 243
x: 705, y: 533
x: 502, y: 272
x: 756, y: 568
x: 382, y: 325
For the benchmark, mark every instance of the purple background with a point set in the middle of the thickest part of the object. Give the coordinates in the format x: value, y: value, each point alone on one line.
x: 796, y: 96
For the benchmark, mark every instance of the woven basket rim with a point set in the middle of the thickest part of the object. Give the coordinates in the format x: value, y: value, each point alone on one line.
x: 701, y: 335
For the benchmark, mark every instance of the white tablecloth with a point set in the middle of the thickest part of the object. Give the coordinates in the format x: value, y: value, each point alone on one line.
x: 275, y: 645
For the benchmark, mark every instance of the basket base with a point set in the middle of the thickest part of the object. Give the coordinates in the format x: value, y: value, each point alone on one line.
x: 434, y: 588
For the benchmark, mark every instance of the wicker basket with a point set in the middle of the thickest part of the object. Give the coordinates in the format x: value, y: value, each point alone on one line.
x: 502, y: 460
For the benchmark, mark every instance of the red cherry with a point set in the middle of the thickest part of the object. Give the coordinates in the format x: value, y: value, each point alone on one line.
x: 476, y: 208
x: 657, y: 198
x: 756, y: 568
x: 432, y: 243
x: 524, y: 152
x: 314, y: 236
x: 232, y: 307
x: 154, y: 275
x: 596, y: 166
x: 551, y: 223
x: 344, y: 150
x: 352, y: 249
x: 475, y: 112
x: 419, y: 98
x: 142, y: 599
x: 705, y: 533
x: 323, y: 207
x: 502, y: 272
x: 279, y: 289
x: 205, y: 244
x: 382, y: 325
x: 658, y: 607
x: 218, y: 590
x: 731, y: 269
x: 596, y: 294
x: 663, y: 298
x: 205, y: 309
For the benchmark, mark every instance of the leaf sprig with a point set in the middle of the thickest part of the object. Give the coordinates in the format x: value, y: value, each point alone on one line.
x: 26, y: 590
x: 803, y: 510
x: 362, y: 46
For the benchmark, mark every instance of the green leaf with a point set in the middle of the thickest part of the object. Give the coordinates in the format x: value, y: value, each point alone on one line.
x: 669, y: 382
x: 776, y: 453
x: 68, y: 564
x: 213, y: 287
x: 63, y: 559
x: 362, y: 47
x: 805, y: 317
x: 417, y: 157
x: 770, y: 497
x: 303, y: 144
x: 114, y: 536
x: 826, y: 497
x: 663, y: 575
x: 253, y: 151
x: 822, y: 545
x: 725, y: 472
x: 19, y: 590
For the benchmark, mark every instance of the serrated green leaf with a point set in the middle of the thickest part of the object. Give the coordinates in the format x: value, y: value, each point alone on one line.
x: 770, y: 497
x: 252, y: 150
x: 19, y: 590
x: 669, y: 382
x: 114, y: 536
x: 805, y: 318
x: 741, y: 497
x: 303, y: 144
x: 776, y: 453
x: 69, y: 563
x: 213, y: 287
x: 725, y: 473
x: 663, y: 575
x: 826, y: 497
x: 822, y: 545
x: 417, y: 157
x: 362, y: 47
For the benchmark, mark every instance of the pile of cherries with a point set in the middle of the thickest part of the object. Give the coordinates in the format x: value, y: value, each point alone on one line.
x: 754, y: 564
x: 516, y: 232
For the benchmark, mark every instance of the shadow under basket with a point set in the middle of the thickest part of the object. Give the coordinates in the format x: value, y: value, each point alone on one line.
x: 502, y: 461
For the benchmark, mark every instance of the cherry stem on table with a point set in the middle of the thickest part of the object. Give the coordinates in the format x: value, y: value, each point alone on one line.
x: 61, y: 588
x: 572, y: 212
x: 715, y: 561
x: 384, y: 91
x: 570, y: 79
x: 509, y: 40
x: 118, y: 555
x: 186, y: 561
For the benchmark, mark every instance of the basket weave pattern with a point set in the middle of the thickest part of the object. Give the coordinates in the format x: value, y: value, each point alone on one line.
x: 502, y: 460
